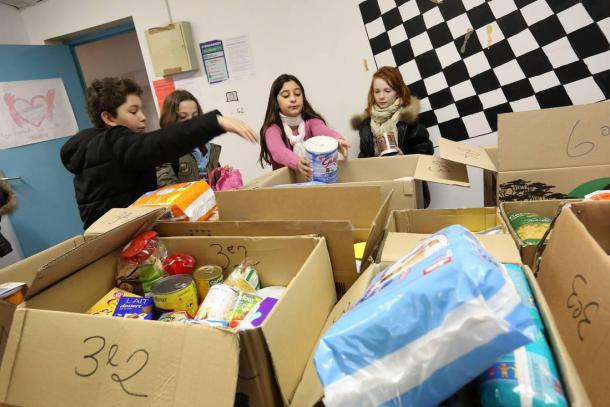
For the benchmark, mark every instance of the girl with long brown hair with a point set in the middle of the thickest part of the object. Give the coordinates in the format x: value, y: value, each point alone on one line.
x: 289, y: 121
x: 178, y: 106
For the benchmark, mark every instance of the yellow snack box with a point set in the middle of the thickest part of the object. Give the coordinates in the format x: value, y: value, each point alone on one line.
x: 189, y: 201
x: 106, y: 306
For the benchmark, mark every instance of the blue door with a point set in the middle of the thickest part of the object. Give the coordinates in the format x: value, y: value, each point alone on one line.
x: 47, y: 212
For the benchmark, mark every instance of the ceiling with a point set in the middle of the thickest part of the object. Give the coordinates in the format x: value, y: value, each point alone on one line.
x: 20, y: 3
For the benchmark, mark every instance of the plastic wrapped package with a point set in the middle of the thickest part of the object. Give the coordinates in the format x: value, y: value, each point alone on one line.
x: 428, y: 324
x: 188, y: 201
x: 530, y: 227
x: 140, y: 264
x: 528, y: 375
x: 244, y: 277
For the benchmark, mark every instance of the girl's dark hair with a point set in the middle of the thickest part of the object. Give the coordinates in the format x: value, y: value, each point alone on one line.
x: 106, y: 95
x: 171, y: 104
x: 272, y: 116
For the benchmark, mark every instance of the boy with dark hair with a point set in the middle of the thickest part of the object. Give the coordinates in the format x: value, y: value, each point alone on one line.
x: 114, y: 163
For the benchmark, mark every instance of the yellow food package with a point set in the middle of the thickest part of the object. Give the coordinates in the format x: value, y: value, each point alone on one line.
x: 530, y: 227
x: 106, y: 306
x: 189, y: 201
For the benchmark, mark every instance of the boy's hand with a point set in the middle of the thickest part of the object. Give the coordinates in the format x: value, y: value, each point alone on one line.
x: 231, y: 125
x: 304, y: 167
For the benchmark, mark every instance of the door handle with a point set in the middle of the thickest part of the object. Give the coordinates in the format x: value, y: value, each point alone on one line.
x: 3, y: 178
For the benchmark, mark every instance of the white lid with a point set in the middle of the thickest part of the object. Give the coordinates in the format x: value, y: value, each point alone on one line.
x: 321, y: 144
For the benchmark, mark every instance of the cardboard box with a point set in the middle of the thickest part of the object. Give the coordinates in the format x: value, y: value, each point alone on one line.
x: 556, y: 153
x: 406, y: 228
x: 339, y: 234
x: 400, y: 174
x: 310, y: 391
x: 431, y: 220
x: 547, y: 208
x: 574, y: 276
x: 33, y: 270
x: 80, y: 359
x: 365, y: 207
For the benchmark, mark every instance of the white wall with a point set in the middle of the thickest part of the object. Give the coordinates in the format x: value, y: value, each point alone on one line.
x: 12, y: 26
x: 322, y: 42
x: 119, y: 56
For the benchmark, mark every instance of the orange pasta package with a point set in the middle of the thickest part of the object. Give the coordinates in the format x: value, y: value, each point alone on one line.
x: 189, y: 201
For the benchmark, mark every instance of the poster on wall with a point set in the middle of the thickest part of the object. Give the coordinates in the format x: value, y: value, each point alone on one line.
x: 34, y: 111
x: 214, y: 61
x: 163, y: 87
x: 239, y: 57
x: 470, y: 60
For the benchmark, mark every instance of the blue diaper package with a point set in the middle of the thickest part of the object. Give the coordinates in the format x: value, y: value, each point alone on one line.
x: 528, y: 375
x: 428, y: 324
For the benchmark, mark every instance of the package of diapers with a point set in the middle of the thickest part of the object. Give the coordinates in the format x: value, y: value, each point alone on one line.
x: 426, y: 325
x: 527, y: 376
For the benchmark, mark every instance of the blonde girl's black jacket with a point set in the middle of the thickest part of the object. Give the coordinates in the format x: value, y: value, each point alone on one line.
x: 113, y: 167
x: 413, y: 138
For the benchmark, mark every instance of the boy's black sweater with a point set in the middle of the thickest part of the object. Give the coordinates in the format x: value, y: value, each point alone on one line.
x: 114, y: 166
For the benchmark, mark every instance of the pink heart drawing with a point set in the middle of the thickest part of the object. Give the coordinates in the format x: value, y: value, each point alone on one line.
x: 34, y: 111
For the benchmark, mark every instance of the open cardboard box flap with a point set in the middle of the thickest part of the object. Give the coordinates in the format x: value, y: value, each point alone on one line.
x: 574, y: 276
x: 562, y: 137
x: 501, y: 247
x: 312, y: 203
x: 91, y: 250
x: 376, y: 169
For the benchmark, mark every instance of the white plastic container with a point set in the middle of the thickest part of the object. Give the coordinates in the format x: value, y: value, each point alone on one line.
x: 323, y: 152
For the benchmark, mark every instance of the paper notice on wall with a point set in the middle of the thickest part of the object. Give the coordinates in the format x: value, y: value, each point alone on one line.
x: 34, y: 111
x: 214, y: 61
x: 163, y: 87
x: 239, y: 57
x: 194, y: 86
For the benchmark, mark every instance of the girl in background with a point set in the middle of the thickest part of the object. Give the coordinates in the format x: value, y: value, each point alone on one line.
x: 391, y: 109
x: 289, y: 122
x: 181, y: 105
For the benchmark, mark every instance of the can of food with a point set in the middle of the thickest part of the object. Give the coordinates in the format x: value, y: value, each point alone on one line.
x: 218, y: 303
x: 323, y: 152
x: 205, y: 277
x: 175, y: 293
x: 385, y: 144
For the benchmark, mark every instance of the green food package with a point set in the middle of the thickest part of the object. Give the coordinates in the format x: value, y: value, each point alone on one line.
x: 530, y: 227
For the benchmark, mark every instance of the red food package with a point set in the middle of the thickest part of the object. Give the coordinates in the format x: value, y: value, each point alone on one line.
x: 179, y: 264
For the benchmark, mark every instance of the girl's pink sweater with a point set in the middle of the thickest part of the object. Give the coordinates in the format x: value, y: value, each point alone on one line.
x: 281, y: 152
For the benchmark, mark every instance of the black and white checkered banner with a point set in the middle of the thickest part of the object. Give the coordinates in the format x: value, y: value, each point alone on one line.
x: 468, y: 60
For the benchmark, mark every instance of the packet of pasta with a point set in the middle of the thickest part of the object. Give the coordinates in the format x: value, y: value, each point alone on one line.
x: 530, y: 227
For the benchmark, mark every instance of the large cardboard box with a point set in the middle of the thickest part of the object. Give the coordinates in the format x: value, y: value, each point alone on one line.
x: 574, y: 275
x: 310, y: 391
x: 58, y: 356
x: 406, y: 228
x: 431, y: 220
x: 400, y: 174
x: 365, y: 207
x: 339, y: 234
x: 547, y: 208
x: 556, y: 153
